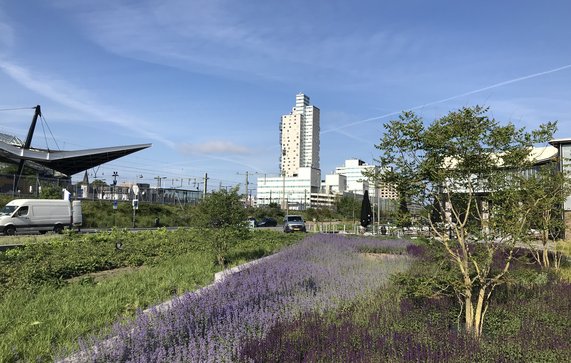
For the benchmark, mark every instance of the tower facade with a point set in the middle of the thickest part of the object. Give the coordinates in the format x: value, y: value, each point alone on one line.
x: 299, y: 137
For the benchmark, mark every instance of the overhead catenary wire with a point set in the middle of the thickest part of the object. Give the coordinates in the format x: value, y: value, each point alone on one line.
x: 17, y: 109
x: 51, y: 134
x: 167, y: 174
x: 172, y: 175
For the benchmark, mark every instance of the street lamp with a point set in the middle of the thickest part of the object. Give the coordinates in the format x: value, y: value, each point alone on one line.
x: 115, y: 175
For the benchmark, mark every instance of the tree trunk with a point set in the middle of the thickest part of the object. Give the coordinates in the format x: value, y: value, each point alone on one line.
x: 479, y: 313
x: 546, y: 263
x: 557, y: 257
x: 474, y: 315
x: 469, y: 312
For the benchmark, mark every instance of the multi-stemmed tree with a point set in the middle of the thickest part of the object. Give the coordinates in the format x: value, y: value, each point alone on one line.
x: 545, y: 192
x: 222, y: 217
x: 465, y: 171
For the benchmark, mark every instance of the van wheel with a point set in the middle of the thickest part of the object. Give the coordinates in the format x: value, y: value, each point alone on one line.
x: 10, y: 231
x: 58, y: 229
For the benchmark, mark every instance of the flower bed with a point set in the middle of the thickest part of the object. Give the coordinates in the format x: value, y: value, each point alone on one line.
x: 319, y: 274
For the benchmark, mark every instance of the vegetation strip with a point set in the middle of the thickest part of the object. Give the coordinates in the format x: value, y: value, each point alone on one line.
x: 44, y: 311
x: 321, y: 273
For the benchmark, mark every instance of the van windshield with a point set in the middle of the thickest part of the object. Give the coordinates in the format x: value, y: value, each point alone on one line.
x: 8, y: 209
x: 294, y: 218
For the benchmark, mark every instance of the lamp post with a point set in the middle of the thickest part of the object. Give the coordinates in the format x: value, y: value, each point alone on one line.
x: 115, y: 175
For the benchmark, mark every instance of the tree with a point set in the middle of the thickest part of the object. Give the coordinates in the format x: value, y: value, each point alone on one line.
x: 51, y: 191
x: 546, y: 191
x: 272, y: 210
x: 348, y: 206
x: 98, y: 183
x: 223, y: 218
x: 462, y: 170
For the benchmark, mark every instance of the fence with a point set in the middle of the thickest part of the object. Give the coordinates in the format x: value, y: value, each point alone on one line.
x: 29, y: 186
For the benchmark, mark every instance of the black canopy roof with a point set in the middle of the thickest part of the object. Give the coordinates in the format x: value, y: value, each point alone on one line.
x: 67, y: 162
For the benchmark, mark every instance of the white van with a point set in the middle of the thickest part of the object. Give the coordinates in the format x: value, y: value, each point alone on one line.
x: 40, y: 215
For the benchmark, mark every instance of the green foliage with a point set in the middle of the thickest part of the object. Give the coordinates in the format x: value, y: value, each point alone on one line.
x: 430, y: 276
x: 348, y: 206
x: 386, y: 327
x: 100, y: 214
x: 58, y: 259
x: 221, y: 209
x: 382, y: 250
x: 5, y: 199
x: 222, y: 217
x: 51, y: 191
x: 319, y: 214
x: 272, y: 210
x: 73, y: 285
x: 98, y: 183
x: 470, y: 170
x: 464, y: 151
x: 545, y: 191
x: 54, y: 316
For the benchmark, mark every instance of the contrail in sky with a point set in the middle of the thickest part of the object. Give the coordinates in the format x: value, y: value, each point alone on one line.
x: 336, y: 129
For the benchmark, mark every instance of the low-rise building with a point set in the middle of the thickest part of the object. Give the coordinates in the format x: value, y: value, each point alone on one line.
x: 358, y: 183
x: 290, y: 192
x: 563, y: 160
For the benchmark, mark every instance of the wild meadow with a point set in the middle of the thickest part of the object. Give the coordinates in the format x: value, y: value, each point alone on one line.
x: 328, y: 298
x: 318, y: 275
x: 332, y: 298
x: 57, y: 289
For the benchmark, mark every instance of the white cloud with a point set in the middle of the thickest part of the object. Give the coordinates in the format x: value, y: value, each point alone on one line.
x: 80, y: 100
x: 233, y: 39
x: 6, y: 37
x: 214, y: 147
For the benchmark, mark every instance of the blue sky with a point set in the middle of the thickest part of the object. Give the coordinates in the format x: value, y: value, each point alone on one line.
x: 206, y: 81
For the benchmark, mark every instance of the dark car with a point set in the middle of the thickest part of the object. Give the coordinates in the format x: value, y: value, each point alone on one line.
x: 267, y: 222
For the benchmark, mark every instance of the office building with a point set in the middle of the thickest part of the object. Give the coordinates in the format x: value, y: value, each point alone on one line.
x: 357, y: 182
x: 299, y: 160
x: 299, y: 136
x: 290, y: 192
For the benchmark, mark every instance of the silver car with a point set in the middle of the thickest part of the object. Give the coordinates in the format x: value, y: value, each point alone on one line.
x: 294, y: 223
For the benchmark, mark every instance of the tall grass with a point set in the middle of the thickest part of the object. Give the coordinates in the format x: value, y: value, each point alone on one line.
x: 33, y: 322
x: 41, y: 313
x: 321, y: 273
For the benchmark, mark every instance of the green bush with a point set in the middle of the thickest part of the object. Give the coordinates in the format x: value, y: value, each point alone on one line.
x: 100, y: 214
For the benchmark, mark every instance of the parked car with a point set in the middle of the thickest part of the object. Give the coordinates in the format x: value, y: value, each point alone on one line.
x: 267, y: 222
x: 294, y: 223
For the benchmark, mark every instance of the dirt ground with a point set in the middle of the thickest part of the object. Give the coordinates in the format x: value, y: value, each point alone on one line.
x: 103, y: 275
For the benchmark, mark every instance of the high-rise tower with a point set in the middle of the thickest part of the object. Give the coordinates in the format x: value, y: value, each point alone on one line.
x: 299, y: 136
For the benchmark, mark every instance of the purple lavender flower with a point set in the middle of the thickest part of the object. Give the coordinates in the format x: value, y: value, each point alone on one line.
x: 210, y: 325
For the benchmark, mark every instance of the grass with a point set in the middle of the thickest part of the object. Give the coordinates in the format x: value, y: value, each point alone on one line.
x: 24, y: 239
x: 318, y: 274
x: 38, y: 322
x: 58, y: 316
